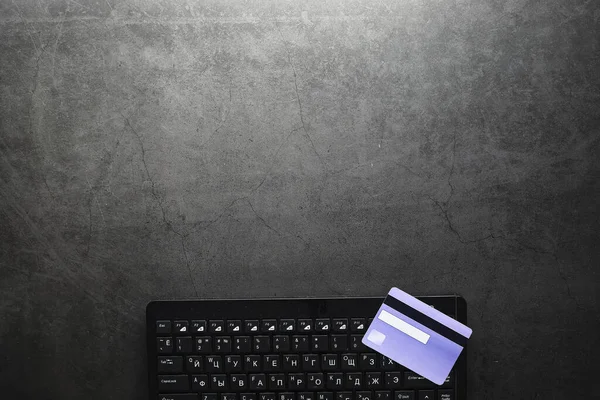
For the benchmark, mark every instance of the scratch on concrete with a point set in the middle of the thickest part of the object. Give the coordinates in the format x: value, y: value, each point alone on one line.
x: 187, y: 263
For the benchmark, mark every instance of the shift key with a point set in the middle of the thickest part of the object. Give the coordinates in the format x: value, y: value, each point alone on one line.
x: 173, y: 383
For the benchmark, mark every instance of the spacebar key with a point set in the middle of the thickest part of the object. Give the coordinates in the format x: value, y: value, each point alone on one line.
x: 173, y: 383
x: 180, y: 396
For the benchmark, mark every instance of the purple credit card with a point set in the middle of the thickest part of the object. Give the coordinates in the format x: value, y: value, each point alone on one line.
x: 417, y: 336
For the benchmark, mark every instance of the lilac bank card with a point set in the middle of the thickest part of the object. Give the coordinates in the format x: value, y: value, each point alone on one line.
x: 417, y: 336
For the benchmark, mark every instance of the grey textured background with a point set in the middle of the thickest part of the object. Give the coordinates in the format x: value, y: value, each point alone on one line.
x: 173, y: 149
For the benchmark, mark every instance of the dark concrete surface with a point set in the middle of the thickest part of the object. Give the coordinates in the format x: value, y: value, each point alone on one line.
x: 179, y: 149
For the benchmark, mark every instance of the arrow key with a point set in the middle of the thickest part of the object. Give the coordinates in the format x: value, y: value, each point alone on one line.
x: 425, y: 394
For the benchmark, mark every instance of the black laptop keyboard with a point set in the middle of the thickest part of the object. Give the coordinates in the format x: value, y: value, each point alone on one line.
x: 280, y: 358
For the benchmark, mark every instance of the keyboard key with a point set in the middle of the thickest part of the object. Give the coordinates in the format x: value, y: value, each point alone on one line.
x: 228, y: 396
x: 170, y: 365
x: 198, y: 326
x: 242, y: 344
x: 349, y: 362
x: 322, y: 325
x: 262, y: 344
x: 269, y: 326
x: 214, y: 364
x: 271, y: 363
x: 413, y: 380
x: 281, y: 343
x: 335, y: 381
x: 425, y: 395
x: 181, y: 327
x: 258, y: 382
x: 368, y: 361
x: 300, y: 344
x: 248, y: 396
x: 163, y: 327
x: 315, y: 381
x: 266, y: 396
x: 252, y: 363
x: 383, y: 395
x: 204, y: 344
x: 445, y: 394
x: 199, y: 383
x: 388, y: 364
x: 358, y: 325
x: 216, y: 326
x: 209, y: 396
x: 251, y: 326
x: 222, y: 344
x: 218, y: 382
x: 330, y: 362
x: 173, y: 383
x: 287, y: 326
x: 193, y: 364
x: 306, y: 396
x: 310, y: 362
x: 234, y: 327
x: 356, y: 343
x: 354, y: 380
x: 344, y: 396
x: 340, y: 325
x: 364, y: 395
x: 287, y: 396
x: 339, y: 342
x: 233, y: 363
x: 291, y: 362
x: 320, y: 343
x: 305, y: 325
x: 449, y: 380
x: 393, y: 380
x: 404, y: 395
x: 164, y: 345
x: 325, y: 396
x: 276, y: 381
x: 373, y: 380
x: 238, y: 382
x: 183, y: 344
x: 179, y: 396
x: 296, y: 381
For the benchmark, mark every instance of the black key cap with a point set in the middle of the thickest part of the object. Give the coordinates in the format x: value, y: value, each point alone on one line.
x: 204, y: 344
x: 276, y: 381
x: 349, y: 362
x: 198, y: 326
x: 335, y: 381
x: 330, y: 362
x: 291, y: 362
x: 306, y: 396
x: 287, y: 326
x: 233, y: 364
x: 183, y: 344
x: 393, y: 380
x: 286, y: 396
x: 325, y: 396
x: 242, y: 344
x: 214, y: 364
x: 238, y: 382
x: 199, y: 383
x: 258, y: 382
x: 364, y: 395
x: 343, y: 396
x: 354, y: 380
x: 320, y: 343
x: 216, y: 326
x: 445, y: 394
x: 315, y: 381
x: 251, y: 326
x: 281, y: 343
x: 269, y: 326
x: 228, y: 396
x: 271, y: 363
x: 404, y: 395
x: 179, y: 396
x: 266, y: 396
x: 182, y: 327
x: 413, y: 380
x: 170, y: 365
x: 358, y: 325
x: 164, y: 345
x: 193, y: 364
x: 340, y: 325
x: 248, y: 396
x: 305, y: 325
x: 163, y: 327
x: 222, y: 344
x: 173, y: 383
x: 209, y: 396
x: 425, y: 395
x: 356, y: 343
x: 300, y: 344
x: 262, y: 344
x: 339, y: 342
x: 383, y: 395
x: 296, y: 381
x: 310, y: 362
x: 373, y: 380
x: 252, y: 363
x: 368, y: 361
x: 234, y: 327
x: 218, y: 382
x: 322, y: 325
x: 388, y: 364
